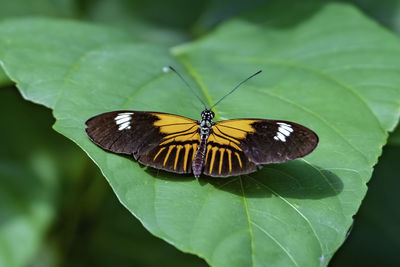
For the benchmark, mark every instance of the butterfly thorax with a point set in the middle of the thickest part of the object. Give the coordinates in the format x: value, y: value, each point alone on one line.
x: 205, y: 127
x: 206, y: 123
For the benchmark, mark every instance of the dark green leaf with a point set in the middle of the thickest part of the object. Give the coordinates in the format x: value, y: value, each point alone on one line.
x: 108, y: 235
x: 4, y: 80
x: 30, y: 171
x: 386, y: 12
x: 394, y: 138
x: 374, y: 239
x: 165, y: 24
x: 19, y: 8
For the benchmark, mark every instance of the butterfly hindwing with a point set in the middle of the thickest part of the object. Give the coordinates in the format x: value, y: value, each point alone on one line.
x: 267, y: 141
x: 225, y: 160
x: 175, y: 157
x: 160, y: 140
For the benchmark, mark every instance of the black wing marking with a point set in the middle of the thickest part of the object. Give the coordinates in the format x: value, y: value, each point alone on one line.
x: 270, y: 141
x: 124, y: 132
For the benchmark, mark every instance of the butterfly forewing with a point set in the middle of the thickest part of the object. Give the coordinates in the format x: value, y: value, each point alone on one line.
x: 124, y: 132
x: 268, y: 141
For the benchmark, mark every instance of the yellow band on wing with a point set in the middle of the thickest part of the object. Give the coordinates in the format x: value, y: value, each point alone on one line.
x: 239, y: 160
x: 171, y: 124
x: 212, y: 160
x: 229, y: 159
x: 169, y: 152
x: 186, y: 156
x: 158, y: 153
x: 221, y: 159
x: 178, y: 150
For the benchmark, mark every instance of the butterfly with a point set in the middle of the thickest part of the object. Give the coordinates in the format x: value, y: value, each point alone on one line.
x: 181, y: 145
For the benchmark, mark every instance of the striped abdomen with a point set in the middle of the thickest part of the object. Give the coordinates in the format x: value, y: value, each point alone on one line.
x: 198, y: 161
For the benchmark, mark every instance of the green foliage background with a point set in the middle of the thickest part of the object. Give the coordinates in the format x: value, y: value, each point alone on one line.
x: 54, y: 199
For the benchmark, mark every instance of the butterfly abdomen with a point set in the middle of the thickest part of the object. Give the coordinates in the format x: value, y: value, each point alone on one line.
x: 198, y: 161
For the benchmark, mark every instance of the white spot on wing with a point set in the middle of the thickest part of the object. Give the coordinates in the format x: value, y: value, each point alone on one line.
x: 284, y: 130
x: 289, y: 128
x: 124, y: 126
x: 281, y: 136
x: 286, y: 126
x: 123, y: 115
x: 123, y: 120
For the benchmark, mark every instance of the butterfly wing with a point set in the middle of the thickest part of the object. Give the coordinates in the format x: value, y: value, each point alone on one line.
x: 161, y: 140
x: 239, y: 146
x: 225, y: 160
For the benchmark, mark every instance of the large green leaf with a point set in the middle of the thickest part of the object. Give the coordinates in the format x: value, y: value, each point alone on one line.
x: 317, y: 71
x: 345, y: 52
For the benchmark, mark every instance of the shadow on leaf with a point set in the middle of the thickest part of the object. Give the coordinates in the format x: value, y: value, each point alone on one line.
x: 296, y: 179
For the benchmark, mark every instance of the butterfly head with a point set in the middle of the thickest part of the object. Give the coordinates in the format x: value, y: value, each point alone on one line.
x: 207, y: 115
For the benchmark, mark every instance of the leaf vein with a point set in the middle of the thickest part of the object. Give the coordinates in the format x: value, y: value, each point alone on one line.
x: 276, y: 241
x: 293, y: 207
x: 249, y: 222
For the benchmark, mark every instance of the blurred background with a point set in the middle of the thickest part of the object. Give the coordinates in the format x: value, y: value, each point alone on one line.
x: 54, y: 197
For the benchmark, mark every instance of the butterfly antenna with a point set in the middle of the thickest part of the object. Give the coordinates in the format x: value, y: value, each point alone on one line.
x: 236, y: 87
x: 187, y: 84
